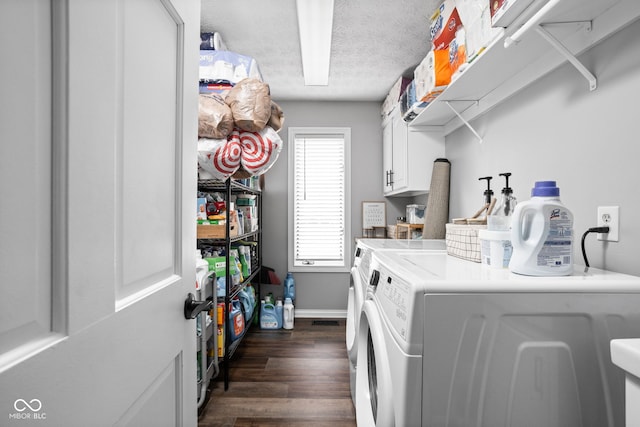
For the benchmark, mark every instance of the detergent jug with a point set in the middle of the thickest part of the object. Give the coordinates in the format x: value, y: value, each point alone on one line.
x: 236, y: 319
x: 268, y: 316
x: 288, y: 314
x: 289, y: 287
x: 542, y: 234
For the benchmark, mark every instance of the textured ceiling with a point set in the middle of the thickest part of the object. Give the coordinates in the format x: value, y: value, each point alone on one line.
x: 373, y: 43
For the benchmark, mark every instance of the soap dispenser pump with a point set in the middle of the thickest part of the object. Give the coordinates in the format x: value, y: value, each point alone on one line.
x: 501, y: 218
x: 488, y: 193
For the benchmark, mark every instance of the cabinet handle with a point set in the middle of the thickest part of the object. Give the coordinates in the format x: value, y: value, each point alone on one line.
x: 390, y: 177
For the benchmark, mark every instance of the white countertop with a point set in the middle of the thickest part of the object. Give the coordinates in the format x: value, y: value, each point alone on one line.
x: 436, y: 272
x: 626, y: 354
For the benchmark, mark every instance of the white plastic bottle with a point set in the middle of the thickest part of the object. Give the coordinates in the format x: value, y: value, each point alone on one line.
x: 542, y: 234
x: 288, y: 314
x: 202, y: 271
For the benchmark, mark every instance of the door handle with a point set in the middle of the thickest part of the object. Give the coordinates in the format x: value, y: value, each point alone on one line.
x: 192, y: 307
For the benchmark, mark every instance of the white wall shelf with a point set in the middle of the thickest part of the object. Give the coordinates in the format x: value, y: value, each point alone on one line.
x: 499, y: 72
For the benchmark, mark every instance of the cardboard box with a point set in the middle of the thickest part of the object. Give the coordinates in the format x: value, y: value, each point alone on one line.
x: 246, y: 200
x: 216, y: 231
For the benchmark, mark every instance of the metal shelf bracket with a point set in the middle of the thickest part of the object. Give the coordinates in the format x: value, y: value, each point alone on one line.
x: 591, y: 79
x: 466, y: 123
x: 536, y: 22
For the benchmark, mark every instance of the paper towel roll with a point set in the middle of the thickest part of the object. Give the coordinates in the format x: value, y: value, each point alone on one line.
x: 437, y: 212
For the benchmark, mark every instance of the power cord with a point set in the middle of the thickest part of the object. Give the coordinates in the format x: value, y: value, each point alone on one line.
x: 591, y: 230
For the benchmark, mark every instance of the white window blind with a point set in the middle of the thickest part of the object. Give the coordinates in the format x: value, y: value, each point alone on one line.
x: 319, y: 200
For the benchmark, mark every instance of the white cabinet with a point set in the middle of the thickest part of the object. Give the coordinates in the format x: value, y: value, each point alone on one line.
x: 408, y: 157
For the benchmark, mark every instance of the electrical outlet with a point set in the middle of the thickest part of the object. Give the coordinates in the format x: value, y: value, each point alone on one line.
x: 609, y: 216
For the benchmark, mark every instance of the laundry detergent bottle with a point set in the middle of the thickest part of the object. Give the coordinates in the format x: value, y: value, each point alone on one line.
x: 288, y: 314
x: 542, y: 234
x: 290, y: 287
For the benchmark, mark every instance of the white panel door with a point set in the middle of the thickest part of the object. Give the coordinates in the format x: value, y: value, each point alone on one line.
x: 98, y: 129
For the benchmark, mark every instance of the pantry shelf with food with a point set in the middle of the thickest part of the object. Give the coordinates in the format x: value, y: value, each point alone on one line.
x: 230, y: 241
x: 238, y: 142
x: 499, y: 71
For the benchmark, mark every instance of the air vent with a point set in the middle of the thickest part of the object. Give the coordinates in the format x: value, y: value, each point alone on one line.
x: 325, y: 323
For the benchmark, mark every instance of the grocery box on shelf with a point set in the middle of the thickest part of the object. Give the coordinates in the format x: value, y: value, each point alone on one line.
x: 216, y: 231
x: 246, y: 199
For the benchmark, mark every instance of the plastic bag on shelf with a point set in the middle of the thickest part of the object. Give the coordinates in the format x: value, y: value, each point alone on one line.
x: 219, y: 158
x: 215, y: 120
x: 260, y: 150
x: 219, y: 65
x: 277, y: 117
x: 250, y: 104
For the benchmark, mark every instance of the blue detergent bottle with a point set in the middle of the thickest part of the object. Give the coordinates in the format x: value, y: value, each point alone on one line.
x: 279, y: 313
x: 268, y: 316
x: 289, y: 287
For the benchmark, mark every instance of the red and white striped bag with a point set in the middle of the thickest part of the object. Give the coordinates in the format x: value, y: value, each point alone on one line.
x: 255, y: 151
x: 260, y: 150
x: 219, y: 158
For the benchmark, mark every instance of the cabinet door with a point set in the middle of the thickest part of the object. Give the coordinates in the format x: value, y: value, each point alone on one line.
x: 408, y: 157
x: 400, y: 152
x: 387, y: 156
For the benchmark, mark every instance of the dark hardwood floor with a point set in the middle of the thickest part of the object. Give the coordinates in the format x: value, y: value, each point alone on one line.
x: 297, y: 377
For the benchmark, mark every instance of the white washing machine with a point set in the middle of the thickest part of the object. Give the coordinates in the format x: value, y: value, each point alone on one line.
x: 445, y: 342
x: 358, y: 285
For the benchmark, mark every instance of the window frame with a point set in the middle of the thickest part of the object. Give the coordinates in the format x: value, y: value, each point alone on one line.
x: 345, y: 134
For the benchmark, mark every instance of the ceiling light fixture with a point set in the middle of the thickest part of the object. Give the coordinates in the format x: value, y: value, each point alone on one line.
x: 315, y: 24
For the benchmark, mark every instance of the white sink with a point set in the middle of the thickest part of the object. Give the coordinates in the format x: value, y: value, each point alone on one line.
x: 625, y: 353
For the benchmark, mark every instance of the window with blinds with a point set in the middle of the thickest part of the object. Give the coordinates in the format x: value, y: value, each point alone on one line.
x: 319, y: 199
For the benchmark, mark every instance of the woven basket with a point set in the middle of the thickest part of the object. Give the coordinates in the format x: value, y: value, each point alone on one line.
x: 462, y: 241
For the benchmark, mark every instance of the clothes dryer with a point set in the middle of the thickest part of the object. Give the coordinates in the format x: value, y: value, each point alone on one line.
x: 358, y: 285
x: 446, y: 342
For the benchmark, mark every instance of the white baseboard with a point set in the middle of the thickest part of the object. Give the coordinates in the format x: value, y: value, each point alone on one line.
x: 320, y: 314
